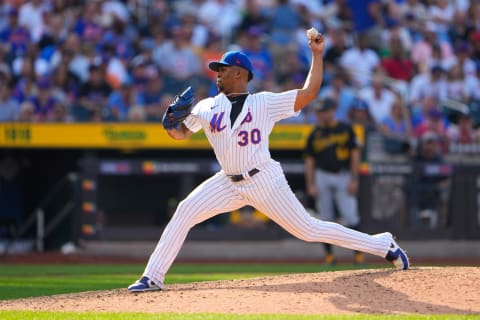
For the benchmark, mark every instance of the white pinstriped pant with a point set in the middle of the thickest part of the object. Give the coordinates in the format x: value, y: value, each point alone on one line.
x: 269, y: 192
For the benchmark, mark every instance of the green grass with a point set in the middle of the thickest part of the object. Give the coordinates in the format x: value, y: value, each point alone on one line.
x: 17, y: 315
x: 20, y: 281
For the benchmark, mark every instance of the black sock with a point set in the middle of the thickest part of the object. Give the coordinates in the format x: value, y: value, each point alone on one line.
x: 328, y: 248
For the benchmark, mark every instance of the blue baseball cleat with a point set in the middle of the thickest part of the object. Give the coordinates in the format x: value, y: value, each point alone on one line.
x: 144, y: 284
x: 397, y: 256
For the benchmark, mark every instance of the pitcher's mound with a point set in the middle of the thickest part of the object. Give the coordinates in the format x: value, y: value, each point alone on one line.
x: 423, y: 290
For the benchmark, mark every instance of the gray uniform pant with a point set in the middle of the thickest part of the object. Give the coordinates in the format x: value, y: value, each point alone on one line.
x: 334, y: 186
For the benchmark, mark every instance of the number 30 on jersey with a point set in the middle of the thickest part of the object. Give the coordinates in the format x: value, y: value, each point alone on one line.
x: 245, y: 137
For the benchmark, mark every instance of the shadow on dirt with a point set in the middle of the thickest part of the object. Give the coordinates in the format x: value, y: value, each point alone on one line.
x: 361, y: 293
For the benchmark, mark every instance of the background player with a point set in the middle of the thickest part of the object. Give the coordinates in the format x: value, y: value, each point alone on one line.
x: 332, y: 159
x: 237, y: 125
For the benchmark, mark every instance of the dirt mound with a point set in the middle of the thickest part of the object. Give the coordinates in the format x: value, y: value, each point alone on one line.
x: 445, y: 290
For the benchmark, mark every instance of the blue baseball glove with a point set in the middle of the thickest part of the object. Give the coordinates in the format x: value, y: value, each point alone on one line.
x: 179, y: 109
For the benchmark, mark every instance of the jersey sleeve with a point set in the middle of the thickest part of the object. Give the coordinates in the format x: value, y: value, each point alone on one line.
x: 192, y: 122
x: 280, y: 105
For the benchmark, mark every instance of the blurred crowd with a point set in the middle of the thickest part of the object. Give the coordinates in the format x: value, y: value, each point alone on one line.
x: 406, y: 68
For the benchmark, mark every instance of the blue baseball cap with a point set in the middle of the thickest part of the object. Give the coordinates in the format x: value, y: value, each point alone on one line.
x: 233, y: 58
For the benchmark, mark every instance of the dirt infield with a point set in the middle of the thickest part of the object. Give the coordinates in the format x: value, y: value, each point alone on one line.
x: 424, y: 290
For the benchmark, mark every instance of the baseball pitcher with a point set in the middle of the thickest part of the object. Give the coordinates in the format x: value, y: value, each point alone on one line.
x: 237, y: 124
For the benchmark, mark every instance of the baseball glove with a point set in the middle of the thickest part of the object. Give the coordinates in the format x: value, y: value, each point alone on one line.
x: 179, y: 109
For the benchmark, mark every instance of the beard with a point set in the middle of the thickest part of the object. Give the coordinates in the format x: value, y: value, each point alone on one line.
x: 220, y: 86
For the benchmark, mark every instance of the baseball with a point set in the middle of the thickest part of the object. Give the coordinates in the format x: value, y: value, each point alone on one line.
x: 312, y: 33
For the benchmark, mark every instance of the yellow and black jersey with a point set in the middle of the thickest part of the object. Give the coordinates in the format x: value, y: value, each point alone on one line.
x: 331, y: 146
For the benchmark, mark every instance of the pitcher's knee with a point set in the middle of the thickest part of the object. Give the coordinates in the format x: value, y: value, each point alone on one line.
x: 307, y: 234
x: 188, y: 205
x: 308, y: 237
x: 184, y: 214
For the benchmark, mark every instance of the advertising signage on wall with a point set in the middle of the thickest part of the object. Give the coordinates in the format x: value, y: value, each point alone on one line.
x: 126, y: 135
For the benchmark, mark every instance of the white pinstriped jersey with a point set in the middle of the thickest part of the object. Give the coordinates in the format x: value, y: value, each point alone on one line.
x: 244, y: 145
